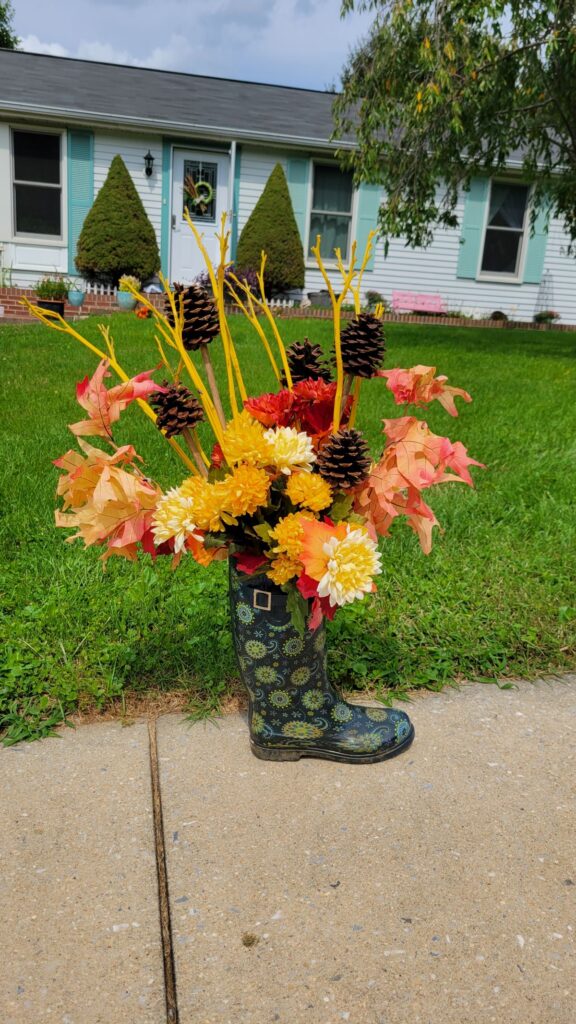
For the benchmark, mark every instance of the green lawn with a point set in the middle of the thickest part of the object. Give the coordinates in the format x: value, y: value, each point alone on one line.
x: 496, y: 598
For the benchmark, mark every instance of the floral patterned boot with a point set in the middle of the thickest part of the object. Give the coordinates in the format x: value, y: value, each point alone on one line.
x: 294, y: 710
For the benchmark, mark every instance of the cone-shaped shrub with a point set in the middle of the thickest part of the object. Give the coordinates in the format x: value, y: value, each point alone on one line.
x: 272, y: 227
x: 117, y: 237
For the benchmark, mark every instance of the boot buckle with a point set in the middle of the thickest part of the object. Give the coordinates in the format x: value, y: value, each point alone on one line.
x: 257, y: 603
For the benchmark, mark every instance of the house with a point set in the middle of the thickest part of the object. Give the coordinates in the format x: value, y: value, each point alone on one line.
x: 63, y: 120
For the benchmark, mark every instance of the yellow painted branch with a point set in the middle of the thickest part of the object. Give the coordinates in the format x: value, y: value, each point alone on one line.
x: 348, y: 277
x: 263, y: 304
x: 253, y: 319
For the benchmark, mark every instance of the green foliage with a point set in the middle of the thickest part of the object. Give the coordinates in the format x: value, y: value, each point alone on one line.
x: 52, y: 288
x: 272, y: 227
x: 486, y: 80
x: 8, y: 40
x: 484, y: 604
x: 117, y: 237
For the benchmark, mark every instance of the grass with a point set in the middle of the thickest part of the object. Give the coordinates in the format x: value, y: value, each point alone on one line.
x: 495, y: 599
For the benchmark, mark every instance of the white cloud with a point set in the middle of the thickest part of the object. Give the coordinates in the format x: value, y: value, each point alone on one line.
x: 289, y: 42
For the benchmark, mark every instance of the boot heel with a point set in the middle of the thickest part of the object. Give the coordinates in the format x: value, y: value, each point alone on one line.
x: 275, y: 753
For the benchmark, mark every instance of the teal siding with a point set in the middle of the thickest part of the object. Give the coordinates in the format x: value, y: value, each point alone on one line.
x: 298, y: 177
x: 236, y: 202
x: 534, y: 264
x: 472, y: 228
x: 165, y: 219
x: 367, y: 218
x: 80, y: 187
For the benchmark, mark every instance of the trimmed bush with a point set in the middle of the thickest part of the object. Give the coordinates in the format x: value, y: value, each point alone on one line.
x: 117, y: 237
x: 272, y: 227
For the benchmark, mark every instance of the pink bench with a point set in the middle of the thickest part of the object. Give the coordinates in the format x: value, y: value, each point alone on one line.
x: 414, y: 303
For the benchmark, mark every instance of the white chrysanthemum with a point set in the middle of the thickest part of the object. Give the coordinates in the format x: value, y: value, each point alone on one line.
x: 173, y: 519
x: 291, y: 449
x: 352, y: 564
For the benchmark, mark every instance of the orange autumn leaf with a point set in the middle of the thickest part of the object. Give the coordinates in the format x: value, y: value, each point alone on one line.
x: 418, y: 386
x: 104, y: 405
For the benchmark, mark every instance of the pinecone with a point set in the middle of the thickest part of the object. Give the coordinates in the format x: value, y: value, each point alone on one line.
x: 345, y: 461
x: 177, y: 409
x: 306, y: 361
x: 363, y: 345
x: 200, y: 316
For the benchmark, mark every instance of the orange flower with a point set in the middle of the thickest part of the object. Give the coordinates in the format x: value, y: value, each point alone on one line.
x: 309, y: 490
x: 283, y: 569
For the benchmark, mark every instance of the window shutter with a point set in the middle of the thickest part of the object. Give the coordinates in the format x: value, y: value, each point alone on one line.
x: 536, y: 251
x: 80, y: 187
x: 369, y: 198
x: 298, y: 177
x: 472, y: 227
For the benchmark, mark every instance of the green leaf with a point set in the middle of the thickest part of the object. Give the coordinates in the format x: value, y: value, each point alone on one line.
x: 297, y: 607
x: 263, y: 530
x: 341, y: 508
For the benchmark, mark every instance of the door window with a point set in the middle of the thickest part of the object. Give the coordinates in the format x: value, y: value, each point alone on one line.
x: 200, y: 183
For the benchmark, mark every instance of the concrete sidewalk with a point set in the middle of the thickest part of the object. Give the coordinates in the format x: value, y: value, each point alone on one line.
x: 436, y: 888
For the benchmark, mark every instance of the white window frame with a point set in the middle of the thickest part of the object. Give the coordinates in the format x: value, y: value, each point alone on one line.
x: 26, y: 236
x: 494, y: 275
x: 308, y: 257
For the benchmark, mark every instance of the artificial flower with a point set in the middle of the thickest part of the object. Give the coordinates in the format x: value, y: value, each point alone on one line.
x: 309, y: 490
x: 244, y: 491
x: 173, y: 520
x: 419, y: 386
x: 342, y: 559
x: 290, y: 449
x: 282, y: 569
x: 244, y: 441
x: 314, y: 405
x: 272, y: 410
x: 206, y: 503
x: 289, y: 535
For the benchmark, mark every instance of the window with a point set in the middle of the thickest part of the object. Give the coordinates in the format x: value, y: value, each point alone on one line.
x: 200, y: 182
x: 37, y: 184
x: 505, y: 229
x: 331, y: 215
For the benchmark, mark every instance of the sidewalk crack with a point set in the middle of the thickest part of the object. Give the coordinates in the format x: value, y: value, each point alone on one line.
x: 162, y: 873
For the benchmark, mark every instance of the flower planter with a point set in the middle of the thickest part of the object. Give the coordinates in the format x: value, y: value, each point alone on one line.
x: 294, y: 710
x: 125, y: 300
x: 76, y: 297
x: 55, y: 305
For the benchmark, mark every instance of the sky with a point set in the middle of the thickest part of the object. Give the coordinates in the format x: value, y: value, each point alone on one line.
x: 286, y: 42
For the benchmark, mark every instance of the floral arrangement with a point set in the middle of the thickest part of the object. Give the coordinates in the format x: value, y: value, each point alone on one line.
x: 287, y: 487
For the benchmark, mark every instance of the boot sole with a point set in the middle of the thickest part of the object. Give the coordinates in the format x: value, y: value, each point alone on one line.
x: 295, y: 753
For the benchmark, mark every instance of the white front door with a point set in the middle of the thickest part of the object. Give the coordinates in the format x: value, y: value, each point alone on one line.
x: 209, y: 171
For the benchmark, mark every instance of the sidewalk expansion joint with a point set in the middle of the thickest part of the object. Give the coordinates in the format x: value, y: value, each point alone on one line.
x: 163, y: 894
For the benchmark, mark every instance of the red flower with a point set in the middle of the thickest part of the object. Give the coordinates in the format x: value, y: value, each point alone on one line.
x: 272, y: 410
x: 315, y: 407
x: 217, y: 458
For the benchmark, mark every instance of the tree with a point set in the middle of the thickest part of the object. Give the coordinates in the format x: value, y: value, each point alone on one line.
x: 7, y: 38
x: 272, y: 227
x: 117, y: 237
x: 442, y: 91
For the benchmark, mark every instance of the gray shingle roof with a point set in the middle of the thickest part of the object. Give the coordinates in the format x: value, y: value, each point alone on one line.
x: 76, y: 90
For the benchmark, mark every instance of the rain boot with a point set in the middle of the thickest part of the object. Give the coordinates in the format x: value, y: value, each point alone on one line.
x: 294, y: 711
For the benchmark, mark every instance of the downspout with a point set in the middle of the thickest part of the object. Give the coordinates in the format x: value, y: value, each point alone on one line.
x: 232, y: 211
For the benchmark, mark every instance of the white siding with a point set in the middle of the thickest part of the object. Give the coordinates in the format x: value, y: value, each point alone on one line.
x: 255, y: 168
x: 132, y: 149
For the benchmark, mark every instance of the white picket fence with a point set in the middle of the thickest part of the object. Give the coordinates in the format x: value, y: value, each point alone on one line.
x: 99, y: 289
x: 281, y: 303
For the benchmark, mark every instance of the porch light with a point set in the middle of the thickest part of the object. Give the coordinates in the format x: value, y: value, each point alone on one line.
x: 148, y: 164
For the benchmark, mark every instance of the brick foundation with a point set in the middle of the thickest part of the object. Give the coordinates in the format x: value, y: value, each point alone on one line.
x: 10, y: 299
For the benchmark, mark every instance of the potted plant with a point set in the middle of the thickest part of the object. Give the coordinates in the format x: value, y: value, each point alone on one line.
x: 76, y: 293
x: 52, y: 293
x: 124, y: 297
x: 546, y: 317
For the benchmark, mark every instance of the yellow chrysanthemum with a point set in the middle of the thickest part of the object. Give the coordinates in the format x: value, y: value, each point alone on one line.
x: 291, y: 449
x: 283, y: 569
x: 244, y: 490
x: 174, y: 518
x: 289, y: 535
x: 206, y: 503
x: 309, y: 490
x: 244, y: 441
